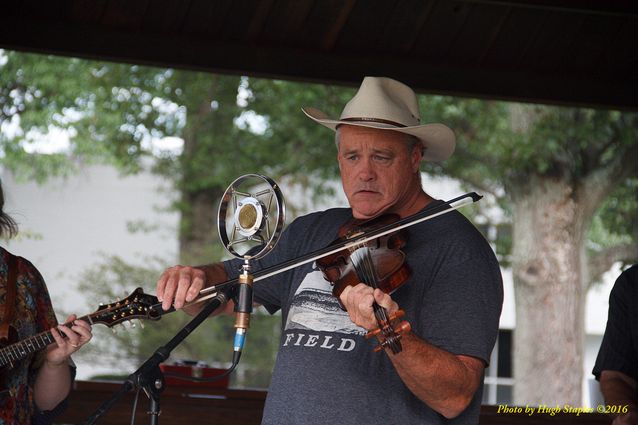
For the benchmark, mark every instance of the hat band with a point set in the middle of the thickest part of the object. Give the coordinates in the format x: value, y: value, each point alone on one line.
x: 379, y: 120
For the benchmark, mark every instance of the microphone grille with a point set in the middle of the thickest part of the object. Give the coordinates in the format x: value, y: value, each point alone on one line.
x: 247, y: 216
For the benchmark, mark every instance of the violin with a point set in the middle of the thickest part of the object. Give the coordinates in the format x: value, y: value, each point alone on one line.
x: 378, y: 263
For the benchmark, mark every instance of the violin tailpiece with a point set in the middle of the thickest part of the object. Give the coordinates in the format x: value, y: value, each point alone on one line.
x: 390, y: 332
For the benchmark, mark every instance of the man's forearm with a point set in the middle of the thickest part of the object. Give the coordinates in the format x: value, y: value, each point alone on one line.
x: 619, y: 390
x: 442, y: 380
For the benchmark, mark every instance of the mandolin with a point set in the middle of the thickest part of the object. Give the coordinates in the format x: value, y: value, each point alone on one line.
x: 137, y: 305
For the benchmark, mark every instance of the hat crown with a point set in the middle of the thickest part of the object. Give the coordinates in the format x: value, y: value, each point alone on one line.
x: 385, y: 100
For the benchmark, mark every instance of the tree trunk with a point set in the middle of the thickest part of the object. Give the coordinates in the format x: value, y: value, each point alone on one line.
x: 198, y: 237
x: 548, y: 261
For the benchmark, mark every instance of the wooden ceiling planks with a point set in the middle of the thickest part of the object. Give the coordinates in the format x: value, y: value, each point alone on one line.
x: 166, y: 17
x: 86, y: 12
x: 472, y: 42
x: 124, y: 14
x: 518, y: 32
x: 285, y: 23
x: 553, y: 51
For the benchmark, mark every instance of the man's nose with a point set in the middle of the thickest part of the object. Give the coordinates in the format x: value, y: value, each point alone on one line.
x: 366, y: 170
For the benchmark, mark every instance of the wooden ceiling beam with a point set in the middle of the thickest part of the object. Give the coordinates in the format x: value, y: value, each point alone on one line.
x: 258, y: 20
x: 333, y: 33
x: 609, y: 7
x: 92, y: 39
x: 316, y: 66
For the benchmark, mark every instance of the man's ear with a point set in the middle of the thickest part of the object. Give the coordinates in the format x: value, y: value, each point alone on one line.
x: 416, y: 156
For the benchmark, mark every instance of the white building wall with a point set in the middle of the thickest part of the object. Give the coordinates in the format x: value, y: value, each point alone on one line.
x: 67, y: 225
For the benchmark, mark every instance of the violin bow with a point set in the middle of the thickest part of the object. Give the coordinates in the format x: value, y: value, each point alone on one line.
x: 427, y: 214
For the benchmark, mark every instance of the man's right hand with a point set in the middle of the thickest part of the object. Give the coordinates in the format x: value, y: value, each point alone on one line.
x: 619, y: 390
x: 179, y: 285
x: 630, y: 418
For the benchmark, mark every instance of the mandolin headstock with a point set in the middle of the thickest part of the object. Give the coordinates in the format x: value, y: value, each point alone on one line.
x: 137, y: 305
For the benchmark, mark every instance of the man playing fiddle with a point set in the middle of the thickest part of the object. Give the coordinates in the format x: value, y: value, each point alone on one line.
x: 326, y: 370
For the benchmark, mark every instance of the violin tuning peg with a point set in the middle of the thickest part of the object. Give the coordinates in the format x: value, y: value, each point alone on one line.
x: 403, y: 327
x: 372, y: 333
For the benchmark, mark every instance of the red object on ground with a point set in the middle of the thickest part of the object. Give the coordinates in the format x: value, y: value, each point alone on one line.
x: 196, y: 371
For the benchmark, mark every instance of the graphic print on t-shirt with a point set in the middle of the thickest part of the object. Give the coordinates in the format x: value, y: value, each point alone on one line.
x: 315, y: 308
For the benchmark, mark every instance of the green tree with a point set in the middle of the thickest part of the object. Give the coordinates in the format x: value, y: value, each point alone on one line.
x: 113, y: 111
x: 556, y: 170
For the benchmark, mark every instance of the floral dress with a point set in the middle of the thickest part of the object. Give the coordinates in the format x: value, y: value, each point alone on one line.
x: 33, y: 314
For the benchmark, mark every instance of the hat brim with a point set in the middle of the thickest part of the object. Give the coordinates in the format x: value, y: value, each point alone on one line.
x: 438, y: 139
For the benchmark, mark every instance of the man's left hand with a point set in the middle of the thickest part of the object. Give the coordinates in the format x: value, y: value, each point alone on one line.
x: 358, y: 302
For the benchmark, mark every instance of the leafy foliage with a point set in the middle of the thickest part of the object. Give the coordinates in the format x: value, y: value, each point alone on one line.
x: 500, y: 146
x: 620, y: 210
x: 112, y: 113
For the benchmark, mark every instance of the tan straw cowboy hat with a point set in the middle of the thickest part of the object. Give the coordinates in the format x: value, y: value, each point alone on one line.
x: 387, y: 104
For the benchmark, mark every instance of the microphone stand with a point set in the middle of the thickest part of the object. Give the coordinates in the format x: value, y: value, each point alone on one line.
x: 149, y: 377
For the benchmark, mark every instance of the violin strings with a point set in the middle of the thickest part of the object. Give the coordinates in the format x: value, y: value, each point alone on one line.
x: 364, y: 256
x: 364, y: 266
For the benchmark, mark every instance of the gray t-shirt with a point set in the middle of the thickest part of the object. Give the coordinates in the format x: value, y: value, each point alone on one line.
x: 326, y: 370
